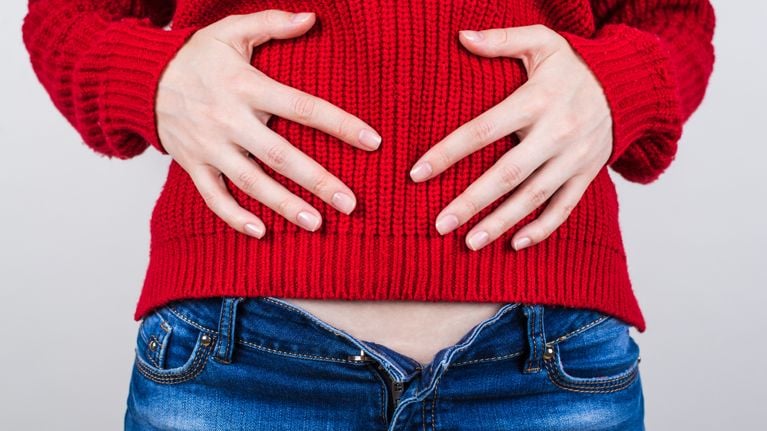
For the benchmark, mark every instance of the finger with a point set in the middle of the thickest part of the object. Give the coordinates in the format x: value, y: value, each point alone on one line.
x: 274, y: 150
x: 530, y: 43
x: 217, y: 197
x: 557, y: 211
x: 294, y: 104
x: 249, y: 177
x: 249, y: 30
x: 535, y: 192
x: 515, y: 112
x: 507, y: 173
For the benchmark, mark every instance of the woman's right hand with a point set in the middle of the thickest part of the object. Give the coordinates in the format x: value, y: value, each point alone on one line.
x: 212, y: 108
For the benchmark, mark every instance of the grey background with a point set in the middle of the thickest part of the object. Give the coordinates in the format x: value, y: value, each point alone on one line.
x: 74, y: 237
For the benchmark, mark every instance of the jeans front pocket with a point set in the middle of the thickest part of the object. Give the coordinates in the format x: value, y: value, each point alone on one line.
x: 602, y: 358
x: 170, y: 349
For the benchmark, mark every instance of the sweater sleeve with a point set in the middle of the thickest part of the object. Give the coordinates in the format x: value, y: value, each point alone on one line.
x: 653, y: 59
x: 100, y: 62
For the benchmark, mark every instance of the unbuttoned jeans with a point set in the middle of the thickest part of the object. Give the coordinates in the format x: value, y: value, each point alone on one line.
x: 261, y: 363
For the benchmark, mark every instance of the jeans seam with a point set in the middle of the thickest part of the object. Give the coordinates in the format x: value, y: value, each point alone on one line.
x: 491, y: 358
x: 195, y: 368
x: 578, y: 330
x: 555, y: 341
x: 381, y: 393
x: 293, y: 354
x: 557, y: 379
x: 598, y: 385
x: 150, y: 356
x: 434, y: 403
x: 189, y: 320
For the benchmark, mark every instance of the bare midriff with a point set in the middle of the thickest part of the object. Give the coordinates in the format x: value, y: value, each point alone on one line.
x: 417, y: 329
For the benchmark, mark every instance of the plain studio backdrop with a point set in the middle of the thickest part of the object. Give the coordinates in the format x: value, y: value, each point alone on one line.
x: 74, y: 244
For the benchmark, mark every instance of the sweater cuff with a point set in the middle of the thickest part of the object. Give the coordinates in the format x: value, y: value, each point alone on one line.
x: 634, y: 70
x: 127, y: 65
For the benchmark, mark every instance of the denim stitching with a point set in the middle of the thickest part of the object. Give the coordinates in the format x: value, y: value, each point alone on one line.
x: 559, y: 339
x: 560, y: 382
x: 596, y: 381
x: 297, y: 355
x: 195, y: 368
x: 386, y: 355
x: 225, y: 331
x: 162, y: 319
x: 579, y: 330
x: 229, y: 325
x: 418, y: 396
x: 150, y: 356
x: 556, y: 361
x: 190, y: 321
x: 382, y: 395
x: 540, y: 336
x: 597, y: 385
x: 221, y: 328
x: 388, y: 365
x: 491, y: 358
x: 434, y: 402
x: 533, y: 336
x: 592, y: 391
x: 141, y: 331
x: 434, y: 407
x: 165, y: 326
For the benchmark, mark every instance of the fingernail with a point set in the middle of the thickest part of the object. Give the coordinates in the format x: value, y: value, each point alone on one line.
x: 447, y: 223
x: 421, y: 171
x: 369, y: 139
x: 522, y: 243
x: 473, y: 36
x: 478, y: 240
x: 343, y: 202
x: 308, y: 220
x: 255, y: 230
x: 301, y: 17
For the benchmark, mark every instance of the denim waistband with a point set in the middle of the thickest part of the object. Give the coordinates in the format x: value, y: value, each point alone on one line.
x: 273, y: 325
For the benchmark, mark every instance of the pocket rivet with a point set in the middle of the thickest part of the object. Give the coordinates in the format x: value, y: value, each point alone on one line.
x: 205, y: 341
x: 548, y: 353
x: 153, y: 344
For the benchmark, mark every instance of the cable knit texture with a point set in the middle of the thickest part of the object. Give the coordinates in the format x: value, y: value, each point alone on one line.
x: 399, y: 66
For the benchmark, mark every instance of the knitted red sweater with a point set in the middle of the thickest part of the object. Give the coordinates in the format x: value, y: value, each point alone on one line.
x: 399, y: 66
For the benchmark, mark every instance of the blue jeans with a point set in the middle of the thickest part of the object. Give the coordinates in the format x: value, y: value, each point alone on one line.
x: 261, y: 363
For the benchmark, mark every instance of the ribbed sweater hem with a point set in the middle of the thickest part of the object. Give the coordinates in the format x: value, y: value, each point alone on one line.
x: 363, y: 267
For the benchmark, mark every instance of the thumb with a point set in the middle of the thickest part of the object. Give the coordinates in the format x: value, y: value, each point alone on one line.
x: 520, y: 42
x: 258, y: 27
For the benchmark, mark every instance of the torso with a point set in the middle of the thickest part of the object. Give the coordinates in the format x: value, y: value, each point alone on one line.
x: 418, y: 329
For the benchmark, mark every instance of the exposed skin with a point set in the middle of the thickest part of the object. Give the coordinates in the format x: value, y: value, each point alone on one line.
x: 213, y: 106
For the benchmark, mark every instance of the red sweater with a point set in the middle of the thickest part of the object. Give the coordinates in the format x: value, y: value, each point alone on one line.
x: 400, y: 67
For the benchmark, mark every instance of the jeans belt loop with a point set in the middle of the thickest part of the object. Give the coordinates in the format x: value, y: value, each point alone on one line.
x: 226, y: 329
x: 535, y: 337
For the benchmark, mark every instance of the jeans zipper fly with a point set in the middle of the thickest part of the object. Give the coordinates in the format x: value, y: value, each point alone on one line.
x: 396, y: 391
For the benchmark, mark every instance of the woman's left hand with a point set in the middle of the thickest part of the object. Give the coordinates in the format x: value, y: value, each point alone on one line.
x: 563, y: 121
